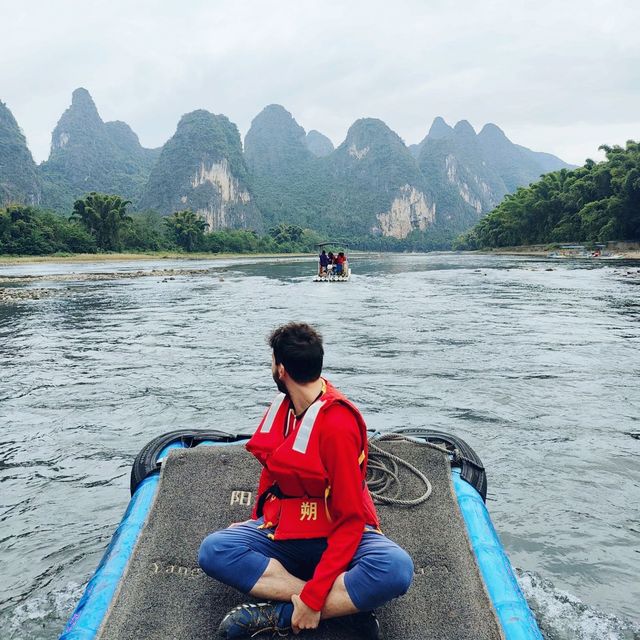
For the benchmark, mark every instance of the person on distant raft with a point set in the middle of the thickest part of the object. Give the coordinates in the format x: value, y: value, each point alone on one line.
x: 340, y: 260
x: 313, y: 547
x: 324, y: 261
x: 332, y: 261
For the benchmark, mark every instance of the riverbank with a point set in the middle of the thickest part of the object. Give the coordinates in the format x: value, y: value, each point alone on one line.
x: 150, y: 255
x: 543, y: 251
x: 20, y: 287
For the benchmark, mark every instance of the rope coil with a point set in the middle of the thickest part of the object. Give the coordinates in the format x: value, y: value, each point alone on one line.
x: 384, y: 467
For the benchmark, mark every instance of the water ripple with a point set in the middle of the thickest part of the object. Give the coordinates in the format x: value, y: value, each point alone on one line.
x: 536, y: 369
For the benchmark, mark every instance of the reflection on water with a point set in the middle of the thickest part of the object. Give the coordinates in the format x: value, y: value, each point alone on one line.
x: 536, y: 369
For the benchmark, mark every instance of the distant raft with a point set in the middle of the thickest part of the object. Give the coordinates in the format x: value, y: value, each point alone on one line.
x: 187, y: 484
x: 331, y: 277
x: 333, y: 267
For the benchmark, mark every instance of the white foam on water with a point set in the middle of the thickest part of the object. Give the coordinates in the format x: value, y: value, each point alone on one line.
x: 562, y: 616
x: 43, y: 616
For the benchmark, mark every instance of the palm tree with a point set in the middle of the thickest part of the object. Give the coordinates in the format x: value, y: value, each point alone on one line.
x: 187, y: 229
x: 104, y: 216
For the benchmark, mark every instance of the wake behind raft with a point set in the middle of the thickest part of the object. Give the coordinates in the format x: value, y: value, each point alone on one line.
x: 186, y: 484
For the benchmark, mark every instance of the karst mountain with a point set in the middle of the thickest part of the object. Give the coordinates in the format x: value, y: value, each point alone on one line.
x: 370, y: 184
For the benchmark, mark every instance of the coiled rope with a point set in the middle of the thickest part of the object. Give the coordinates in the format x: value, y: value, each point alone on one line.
x: 383, y: 471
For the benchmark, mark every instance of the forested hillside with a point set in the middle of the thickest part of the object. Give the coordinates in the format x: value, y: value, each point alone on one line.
x: 597, y: 202
x: 19, y: 181
x: 372, y: 187
x: 88, y: 154
x: 201, y: 168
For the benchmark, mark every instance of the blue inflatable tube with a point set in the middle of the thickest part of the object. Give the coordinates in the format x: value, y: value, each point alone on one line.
x: 94, y: 604
x: 510, y: 605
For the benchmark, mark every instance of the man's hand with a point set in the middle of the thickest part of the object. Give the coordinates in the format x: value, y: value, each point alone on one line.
x: 303, y: 617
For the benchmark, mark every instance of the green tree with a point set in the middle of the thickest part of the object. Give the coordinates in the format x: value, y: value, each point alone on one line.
x: 146, y: 232
x: 28, y: 231
x: 186, y: 229
x: 104, y: 216
x: 286, y: 233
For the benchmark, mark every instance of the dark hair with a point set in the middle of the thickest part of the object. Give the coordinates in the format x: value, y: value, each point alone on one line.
x: 298, y: 346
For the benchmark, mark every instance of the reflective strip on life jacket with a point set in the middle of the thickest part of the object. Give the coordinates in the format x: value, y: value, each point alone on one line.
x: 271, y: 414
x: 305, y: 429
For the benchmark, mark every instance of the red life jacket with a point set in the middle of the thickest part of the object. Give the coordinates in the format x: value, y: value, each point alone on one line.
x: 299, y: 503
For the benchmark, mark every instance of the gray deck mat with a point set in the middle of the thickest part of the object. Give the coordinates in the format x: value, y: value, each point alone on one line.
x: 166, y: 595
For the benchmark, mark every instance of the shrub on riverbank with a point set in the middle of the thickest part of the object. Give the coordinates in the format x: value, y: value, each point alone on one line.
x: 27, y: 231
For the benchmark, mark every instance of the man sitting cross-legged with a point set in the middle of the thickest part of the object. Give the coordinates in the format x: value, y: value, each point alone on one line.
x: 313, y: 547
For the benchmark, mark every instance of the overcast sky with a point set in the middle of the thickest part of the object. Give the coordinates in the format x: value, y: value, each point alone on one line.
x: 561, y: 76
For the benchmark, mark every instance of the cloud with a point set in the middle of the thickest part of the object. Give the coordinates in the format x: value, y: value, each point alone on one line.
x: 563, y: 76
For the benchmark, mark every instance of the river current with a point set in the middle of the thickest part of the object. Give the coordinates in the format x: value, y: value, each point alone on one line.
x: 534, y: 362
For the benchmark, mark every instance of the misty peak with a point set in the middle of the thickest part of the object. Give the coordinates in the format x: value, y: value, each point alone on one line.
x: 369, y: 129
x: 439, y: 129
x: 193, y: 117
x: 275, y: 113
x: 492, y: 131
x: 275, y: 108
x: 81, y: 99
x: 275, y: 120
x: 464, y: 127
x: 319, y: 144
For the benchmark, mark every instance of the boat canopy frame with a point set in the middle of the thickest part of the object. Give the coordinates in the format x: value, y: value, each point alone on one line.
x: 335, y: 243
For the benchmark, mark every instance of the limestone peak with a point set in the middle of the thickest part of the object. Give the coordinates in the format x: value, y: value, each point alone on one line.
x: 493, y: 132
x: 439, y: 129
x: 464, y: 127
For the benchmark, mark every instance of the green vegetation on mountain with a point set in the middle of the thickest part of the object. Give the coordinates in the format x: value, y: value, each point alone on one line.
x: 370, y: 170
x: 88, y: 154
x: 288, y: 180
x: 19, y: 181
x: 515, y: 166
x: 373, y: 184
x: 471, y: 173
x: 343, y: 192
x: 202, y: 168
x: 597, y: 202
x: 371, y: 187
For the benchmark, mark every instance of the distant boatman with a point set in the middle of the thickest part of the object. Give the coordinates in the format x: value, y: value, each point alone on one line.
x: 324, y: 262
x: 313, y: 546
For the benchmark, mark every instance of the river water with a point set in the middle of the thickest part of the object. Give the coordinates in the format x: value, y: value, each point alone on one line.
x: 534, y: 362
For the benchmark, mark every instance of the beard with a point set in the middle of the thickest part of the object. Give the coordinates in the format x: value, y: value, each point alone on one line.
x: 282, y: 387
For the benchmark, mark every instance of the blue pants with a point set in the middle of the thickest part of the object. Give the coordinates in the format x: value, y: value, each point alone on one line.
x: 379, y: 571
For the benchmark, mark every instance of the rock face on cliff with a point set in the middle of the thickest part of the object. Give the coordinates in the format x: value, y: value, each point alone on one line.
x: 377, y: 182
x: 471, y: 173
x: 465, y: 186
x: 201, y: 168
x: 88, y: 154
x: 369, y: 184
x: 19, y: 181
